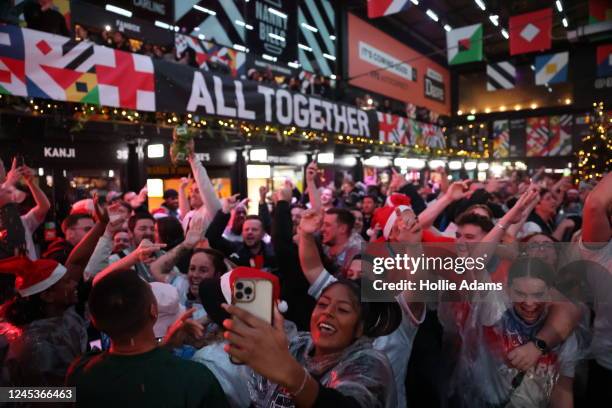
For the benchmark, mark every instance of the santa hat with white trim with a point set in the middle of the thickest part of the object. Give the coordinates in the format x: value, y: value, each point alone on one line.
x: 214, y: 291
x: 32, y: 277
x: 386, y: 216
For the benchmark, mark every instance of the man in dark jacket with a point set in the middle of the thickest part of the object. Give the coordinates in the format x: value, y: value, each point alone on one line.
x: 252, y: 251
x: 74, y: 227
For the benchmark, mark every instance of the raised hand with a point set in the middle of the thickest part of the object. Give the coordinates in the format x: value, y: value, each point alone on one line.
x: 146, y: 250
x: 184, y: 327
x: 398, y: 181
x: 263, y: 191
x: 457, y: 190
x: 195, y: 233
x: 100, y: 211
x: 311, y: 221
x: 311, y: 173
x: 15, y: 173
x: 261, y: 346
x: 184, y: 182
x: 524, y: 204
x: 229, y: 203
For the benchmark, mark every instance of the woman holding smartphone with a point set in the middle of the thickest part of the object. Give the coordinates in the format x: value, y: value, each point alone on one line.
x: 334, y: 363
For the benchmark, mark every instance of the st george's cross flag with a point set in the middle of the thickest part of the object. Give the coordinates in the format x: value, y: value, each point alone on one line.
x: 379, y: 8
x: 604, y: 60
x: 125, y: 80
x: 464, y: 44
x: 501, y: 75
x: 530, y: 32
x: 551, y: 68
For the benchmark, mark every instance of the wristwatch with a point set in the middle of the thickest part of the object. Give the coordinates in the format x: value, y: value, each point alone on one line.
x: 540, y: 345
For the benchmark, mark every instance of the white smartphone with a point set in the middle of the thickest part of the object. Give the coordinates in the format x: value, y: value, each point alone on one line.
x: 256, y: 297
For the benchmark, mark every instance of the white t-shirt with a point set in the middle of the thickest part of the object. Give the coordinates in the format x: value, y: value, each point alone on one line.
x: 30, y: 224
x: 601, y: 285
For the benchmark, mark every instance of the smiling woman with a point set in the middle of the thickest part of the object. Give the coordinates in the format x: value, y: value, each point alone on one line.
x: 333, y: 364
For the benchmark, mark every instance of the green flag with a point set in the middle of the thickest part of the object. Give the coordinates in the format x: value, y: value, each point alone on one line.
x: 464, y: 44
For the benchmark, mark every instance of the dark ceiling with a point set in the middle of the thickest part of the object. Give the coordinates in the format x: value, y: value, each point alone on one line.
x: 417, y: 30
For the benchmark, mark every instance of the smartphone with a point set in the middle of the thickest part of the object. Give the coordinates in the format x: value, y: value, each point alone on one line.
x: 256, y: 297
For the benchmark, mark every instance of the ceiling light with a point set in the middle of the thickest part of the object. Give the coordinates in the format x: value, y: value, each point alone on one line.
x: 432, y: 15
x: 502, y: 108
x: 564, y: 21
x: 325, y: 158
x: 276, y: 37
x: 481, y: 4
x: 310, y: 28
x: 447, y: 27
x: 201, y: 36
x: 204, y: 10
x: 107, y: 27
x: 293, y: 64
x: 534, y: 106
x: 161, y: 24
x: 568, y: 101
x: 459, y: 112
x: 332, y: 76
x: 504, y: 33
x: 487, y: 110
x: 494, y: 19
x: 329, y: 57
x: 276, y: 12
x: 268, y: 57
x: 559, y: 6
x: 304, y: 47
x: 118, y: 10
x: 415, y: 2
x: 332, y: 37
x: 473, y: 111
x: 240, y: 48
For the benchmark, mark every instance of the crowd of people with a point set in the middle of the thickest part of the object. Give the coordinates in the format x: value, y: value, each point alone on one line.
x: 134, y: 304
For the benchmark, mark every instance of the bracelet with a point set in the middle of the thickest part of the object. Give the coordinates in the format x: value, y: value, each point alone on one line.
x: 501, y: 227
x: 302, y: 385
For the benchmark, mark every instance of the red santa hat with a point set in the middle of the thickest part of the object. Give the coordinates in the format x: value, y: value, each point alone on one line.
x: 215, y: 291
x: 386, y: 216
x: 32, y: 276
x: 85, y: 206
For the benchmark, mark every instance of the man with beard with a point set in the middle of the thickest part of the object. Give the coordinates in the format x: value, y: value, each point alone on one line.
x: 336, y: 232
x: 368, y: 206
x: 252, y: 251
x: 141, y: 226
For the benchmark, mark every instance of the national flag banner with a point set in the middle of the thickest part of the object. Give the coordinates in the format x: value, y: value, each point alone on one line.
x: 560, y: 142
x: 415, y: 133
x: 208, y: 53
x: 531, y: 32
x: 551, y: 68
x: 379, y: 8
x: 501, y: 139
x: 12, y: 61
x: 501, y: 75
x: 604, y: 60
x: 60, y: 68
x: 434, y: 138
x: 464, y: 44
x: 125, y: 80
x: 537, y: 137
x: 392, y: 128
x: 600, y: 11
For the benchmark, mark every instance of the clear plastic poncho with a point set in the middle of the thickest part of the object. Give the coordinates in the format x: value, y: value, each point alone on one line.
x: 358, y: 371
x: 484, y: 378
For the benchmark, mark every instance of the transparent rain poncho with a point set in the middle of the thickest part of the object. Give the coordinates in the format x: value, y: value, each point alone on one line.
x: 358, y: 371
x: 484, y: 378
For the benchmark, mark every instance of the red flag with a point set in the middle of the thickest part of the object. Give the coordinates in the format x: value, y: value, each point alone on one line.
x: 530, y: 32
x: 379, y: 8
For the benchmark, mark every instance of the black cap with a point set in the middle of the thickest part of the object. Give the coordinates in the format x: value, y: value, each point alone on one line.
x: 170, y: 193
